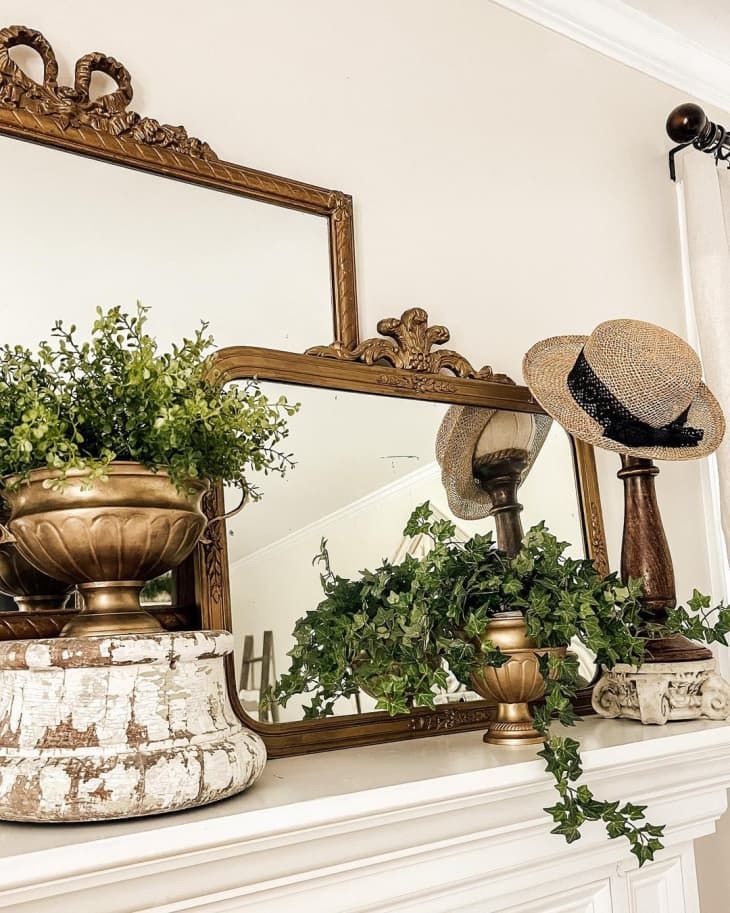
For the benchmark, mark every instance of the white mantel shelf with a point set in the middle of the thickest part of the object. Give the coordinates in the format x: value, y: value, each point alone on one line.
x: 442, y: 824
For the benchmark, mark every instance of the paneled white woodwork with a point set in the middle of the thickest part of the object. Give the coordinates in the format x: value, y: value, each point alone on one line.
x: 444, y: 825
x: 660, y: 889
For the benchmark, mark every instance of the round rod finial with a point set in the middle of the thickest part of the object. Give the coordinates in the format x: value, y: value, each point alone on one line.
x: 686, y: 123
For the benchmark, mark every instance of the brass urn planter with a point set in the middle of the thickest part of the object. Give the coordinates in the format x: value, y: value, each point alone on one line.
x: 32, y: 590
x: 514, y: 685
x: 108, y: 536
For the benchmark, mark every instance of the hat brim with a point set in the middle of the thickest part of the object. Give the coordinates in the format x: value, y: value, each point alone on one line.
x: 460, y: 431
x: 546, y: 367
x: 466, y: 499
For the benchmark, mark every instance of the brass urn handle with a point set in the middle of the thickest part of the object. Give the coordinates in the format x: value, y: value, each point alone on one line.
x: 224, y: 516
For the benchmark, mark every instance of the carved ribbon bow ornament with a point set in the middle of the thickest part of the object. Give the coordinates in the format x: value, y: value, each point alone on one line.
x: 73, y: 106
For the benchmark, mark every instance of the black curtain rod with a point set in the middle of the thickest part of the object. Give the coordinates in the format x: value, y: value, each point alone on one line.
x: 688, y: 125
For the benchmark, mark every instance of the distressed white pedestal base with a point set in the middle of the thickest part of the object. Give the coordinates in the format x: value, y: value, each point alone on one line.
x: 115, y: 727
x: 659, y: 692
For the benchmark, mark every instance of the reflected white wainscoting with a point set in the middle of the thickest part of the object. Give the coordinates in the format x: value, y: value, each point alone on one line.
x: 432, y: 826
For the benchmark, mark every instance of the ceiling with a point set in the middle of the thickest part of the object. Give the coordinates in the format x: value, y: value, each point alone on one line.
x: 705, y: 22
x: 683, y: 43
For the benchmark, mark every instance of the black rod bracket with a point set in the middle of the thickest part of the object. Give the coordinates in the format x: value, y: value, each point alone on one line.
x: 672, y: 153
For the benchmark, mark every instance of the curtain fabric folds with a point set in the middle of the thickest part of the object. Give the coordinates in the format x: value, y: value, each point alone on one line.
x: 706, y: 194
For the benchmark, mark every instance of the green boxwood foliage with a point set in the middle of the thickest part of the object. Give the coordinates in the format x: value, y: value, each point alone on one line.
x: 80, y: 405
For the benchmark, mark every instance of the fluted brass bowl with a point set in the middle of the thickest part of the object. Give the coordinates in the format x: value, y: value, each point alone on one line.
x: 31, y: 590
x: 515, y: 684
x: 109, y: 536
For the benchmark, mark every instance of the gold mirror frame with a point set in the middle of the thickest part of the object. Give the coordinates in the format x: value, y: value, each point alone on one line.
x: 67, y: 118
x: 399, y: 365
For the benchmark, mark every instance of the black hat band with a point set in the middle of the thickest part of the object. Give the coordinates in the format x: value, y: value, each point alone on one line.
x: 619, y: 423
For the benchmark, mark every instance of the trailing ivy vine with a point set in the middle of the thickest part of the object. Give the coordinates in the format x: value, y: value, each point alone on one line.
x: 393, y: 632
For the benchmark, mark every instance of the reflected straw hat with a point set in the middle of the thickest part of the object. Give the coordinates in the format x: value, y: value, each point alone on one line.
x: 459, y: 433
x: 631, y: 387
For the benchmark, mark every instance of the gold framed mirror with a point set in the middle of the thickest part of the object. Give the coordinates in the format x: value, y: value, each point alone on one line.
x: 364, y: 437
x: 84, y: 234
x: 102, y: 130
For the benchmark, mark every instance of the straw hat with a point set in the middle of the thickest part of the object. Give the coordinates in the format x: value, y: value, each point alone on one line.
x: 631, y: 387
x: 463, y: 430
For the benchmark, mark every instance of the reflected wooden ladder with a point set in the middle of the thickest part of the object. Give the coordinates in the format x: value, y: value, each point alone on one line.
x: 246, y: 680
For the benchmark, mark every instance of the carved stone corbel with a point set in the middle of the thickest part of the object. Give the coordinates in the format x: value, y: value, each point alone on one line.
x: 659, y: 692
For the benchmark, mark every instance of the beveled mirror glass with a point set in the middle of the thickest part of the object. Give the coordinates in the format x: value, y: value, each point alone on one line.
x: 362, y: 463
x: 117, y: 236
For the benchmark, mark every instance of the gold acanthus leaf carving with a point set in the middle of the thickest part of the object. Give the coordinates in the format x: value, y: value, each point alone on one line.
x: 407, y: 345
x: 72, y: 106
x: 449, y: 719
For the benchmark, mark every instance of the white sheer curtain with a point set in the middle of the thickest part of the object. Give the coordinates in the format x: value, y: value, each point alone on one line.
x: 705, y: 197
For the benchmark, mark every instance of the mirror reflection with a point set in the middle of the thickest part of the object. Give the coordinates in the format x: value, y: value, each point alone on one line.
x: 362, y: 463
x: 113, y: 236
x: 84, y: 233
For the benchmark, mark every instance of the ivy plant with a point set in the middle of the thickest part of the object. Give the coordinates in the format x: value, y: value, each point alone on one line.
x: 394, y: 631
x: 79, y: 405
x: 377, y: 633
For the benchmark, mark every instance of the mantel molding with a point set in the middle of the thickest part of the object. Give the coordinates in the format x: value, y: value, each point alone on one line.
x: 389, y: 830
x: 623, y: 33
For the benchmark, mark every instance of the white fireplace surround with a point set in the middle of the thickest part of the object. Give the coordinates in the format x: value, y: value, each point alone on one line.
x: 436, y: 825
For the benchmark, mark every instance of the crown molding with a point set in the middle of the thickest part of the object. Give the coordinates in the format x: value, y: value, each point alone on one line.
x: 623, y: 33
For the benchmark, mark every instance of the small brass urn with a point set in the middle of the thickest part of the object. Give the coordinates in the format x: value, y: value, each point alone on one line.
x: 515, y: 684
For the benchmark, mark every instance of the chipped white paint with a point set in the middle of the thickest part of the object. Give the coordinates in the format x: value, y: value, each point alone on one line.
x: 94, y: 728
x: 38, y: 655
x: 660, y: 692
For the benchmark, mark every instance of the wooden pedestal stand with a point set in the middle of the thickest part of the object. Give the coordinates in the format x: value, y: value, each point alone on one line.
x: 645, y: 553
x: 677, y: 681
x: 500, y: 477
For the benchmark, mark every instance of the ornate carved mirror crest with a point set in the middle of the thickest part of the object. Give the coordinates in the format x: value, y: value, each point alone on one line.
x: 407, y: 344
x: 72, y: 106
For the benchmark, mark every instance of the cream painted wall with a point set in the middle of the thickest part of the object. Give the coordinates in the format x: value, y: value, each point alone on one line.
x: 510, y: 181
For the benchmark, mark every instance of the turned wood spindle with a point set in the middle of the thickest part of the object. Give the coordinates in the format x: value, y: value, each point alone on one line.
x: 501, y: 478
x: 645, y: 553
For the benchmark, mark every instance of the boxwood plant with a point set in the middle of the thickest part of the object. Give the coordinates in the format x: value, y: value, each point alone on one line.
x: 393, y: 631
x: 81, y: 404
